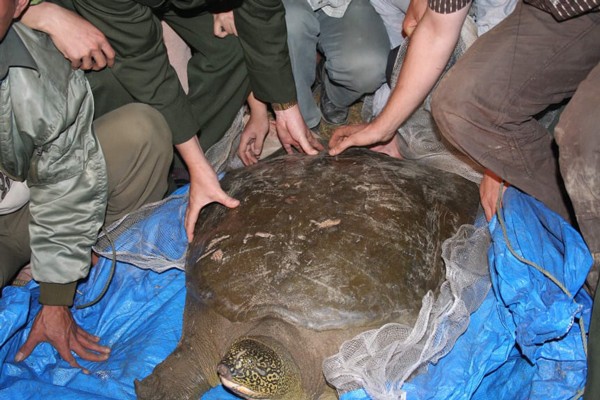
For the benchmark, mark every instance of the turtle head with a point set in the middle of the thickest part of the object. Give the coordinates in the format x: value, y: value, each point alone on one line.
x: 260, y: 368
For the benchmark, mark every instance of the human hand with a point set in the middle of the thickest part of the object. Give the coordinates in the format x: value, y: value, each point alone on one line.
x: 80, y: 42
x: 415, y: 11
x: 357, y: 135
x: 253, y: 138
x: 489, y: 190
x: 391, y: 148
x: 224, y: 24
x: 204, y: 185
x: 293, y: 132
x: 204, y: 189
x: 55, y: 325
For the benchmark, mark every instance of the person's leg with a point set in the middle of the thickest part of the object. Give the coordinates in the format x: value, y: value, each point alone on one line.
x: 579, y: 147
x: 579, y: 158
x: 108, y: 92
x: 485, y: 104
x: 14, y: 244
x: 392, y: 13
x: 217, y: 75
x: 136, y: 142
x: 356, y: 49
x: 303, y: 33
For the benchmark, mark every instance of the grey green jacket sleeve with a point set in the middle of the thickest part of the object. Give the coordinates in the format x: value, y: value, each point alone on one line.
x: 46, y: 135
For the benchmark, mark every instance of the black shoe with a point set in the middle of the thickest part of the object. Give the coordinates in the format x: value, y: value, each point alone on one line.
x: 331, y: 113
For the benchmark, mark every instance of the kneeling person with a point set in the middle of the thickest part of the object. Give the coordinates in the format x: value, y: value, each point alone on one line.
x: 81, y: 174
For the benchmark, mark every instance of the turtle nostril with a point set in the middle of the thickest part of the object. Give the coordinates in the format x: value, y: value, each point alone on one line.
x: 223, y: 371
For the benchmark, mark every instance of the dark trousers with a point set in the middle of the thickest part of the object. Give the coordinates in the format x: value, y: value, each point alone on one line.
x: 136, y: 143
x: 217, y: 75
x: 486, y: 104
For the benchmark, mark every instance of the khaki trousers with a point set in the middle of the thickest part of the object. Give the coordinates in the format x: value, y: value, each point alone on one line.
x: 136, y: 143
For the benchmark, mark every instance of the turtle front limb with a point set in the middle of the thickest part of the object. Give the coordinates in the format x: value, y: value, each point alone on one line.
x: 185, y: 373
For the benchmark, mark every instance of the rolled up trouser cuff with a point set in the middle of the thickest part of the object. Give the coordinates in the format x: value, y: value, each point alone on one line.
x: 57, y: 294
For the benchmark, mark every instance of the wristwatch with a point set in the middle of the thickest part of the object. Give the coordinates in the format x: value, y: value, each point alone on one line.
x: 283, y: 106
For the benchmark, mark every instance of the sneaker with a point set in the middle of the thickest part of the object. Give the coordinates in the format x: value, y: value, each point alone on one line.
x: 331, y: 113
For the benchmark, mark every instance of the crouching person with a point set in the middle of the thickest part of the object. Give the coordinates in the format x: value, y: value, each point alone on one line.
x: 80, y: 175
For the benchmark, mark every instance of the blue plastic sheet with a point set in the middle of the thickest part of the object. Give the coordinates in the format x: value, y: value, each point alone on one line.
x: 522, y: 343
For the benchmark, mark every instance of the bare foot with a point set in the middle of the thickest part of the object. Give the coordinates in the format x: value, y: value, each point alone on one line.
x: 391, y: 148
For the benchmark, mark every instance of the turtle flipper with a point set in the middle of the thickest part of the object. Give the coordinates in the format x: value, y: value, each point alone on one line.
x: 185, y: 373
x: 175, y: 378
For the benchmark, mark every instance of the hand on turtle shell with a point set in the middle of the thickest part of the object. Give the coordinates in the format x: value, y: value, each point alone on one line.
x: 204, y: 189
x: 254, y: 133
x: 252, y: 140
x: 293, y: 132
x: 361, y: 135
x: 55, y: 325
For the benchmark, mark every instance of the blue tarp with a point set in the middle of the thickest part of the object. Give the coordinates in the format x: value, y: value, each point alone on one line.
x: 522, y: 343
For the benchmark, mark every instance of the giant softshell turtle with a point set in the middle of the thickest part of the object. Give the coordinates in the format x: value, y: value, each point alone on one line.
x: 320, y: 249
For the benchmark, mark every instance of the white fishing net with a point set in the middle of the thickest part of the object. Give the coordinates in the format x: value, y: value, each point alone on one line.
x: 380, y: 361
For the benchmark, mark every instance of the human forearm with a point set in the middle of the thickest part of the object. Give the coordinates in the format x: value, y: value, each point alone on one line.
x: 429, y: 50
x: 194, y: 158
x: 204, y: 185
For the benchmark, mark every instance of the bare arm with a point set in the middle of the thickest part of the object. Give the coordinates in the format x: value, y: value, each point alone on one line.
x: 489, y: 191
x: 414, y: 14
x: 79, y: 41
x: 204, y: 185
x: 430, y: 48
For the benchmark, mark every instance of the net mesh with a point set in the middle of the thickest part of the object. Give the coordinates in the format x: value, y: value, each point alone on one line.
x: 381, y: 360
x: 146, y: 239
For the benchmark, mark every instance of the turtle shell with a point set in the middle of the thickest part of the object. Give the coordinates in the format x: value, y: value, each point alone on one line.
x: 328, y: 242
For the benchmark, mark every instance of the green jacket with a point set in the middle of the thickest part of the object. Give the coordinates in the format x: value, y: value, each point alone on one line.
x: 218, y: 85
x: 46, y: 137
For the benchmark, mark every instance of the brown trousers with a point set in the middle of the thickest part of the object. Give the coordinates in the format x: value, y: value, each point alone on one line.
x: 136, y: 143
x: 486, y: 104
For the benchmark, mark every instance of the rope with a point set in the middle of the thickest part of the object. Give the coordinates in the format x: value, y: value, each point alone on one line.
x: 113, y: 266
x: 500, y: 216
